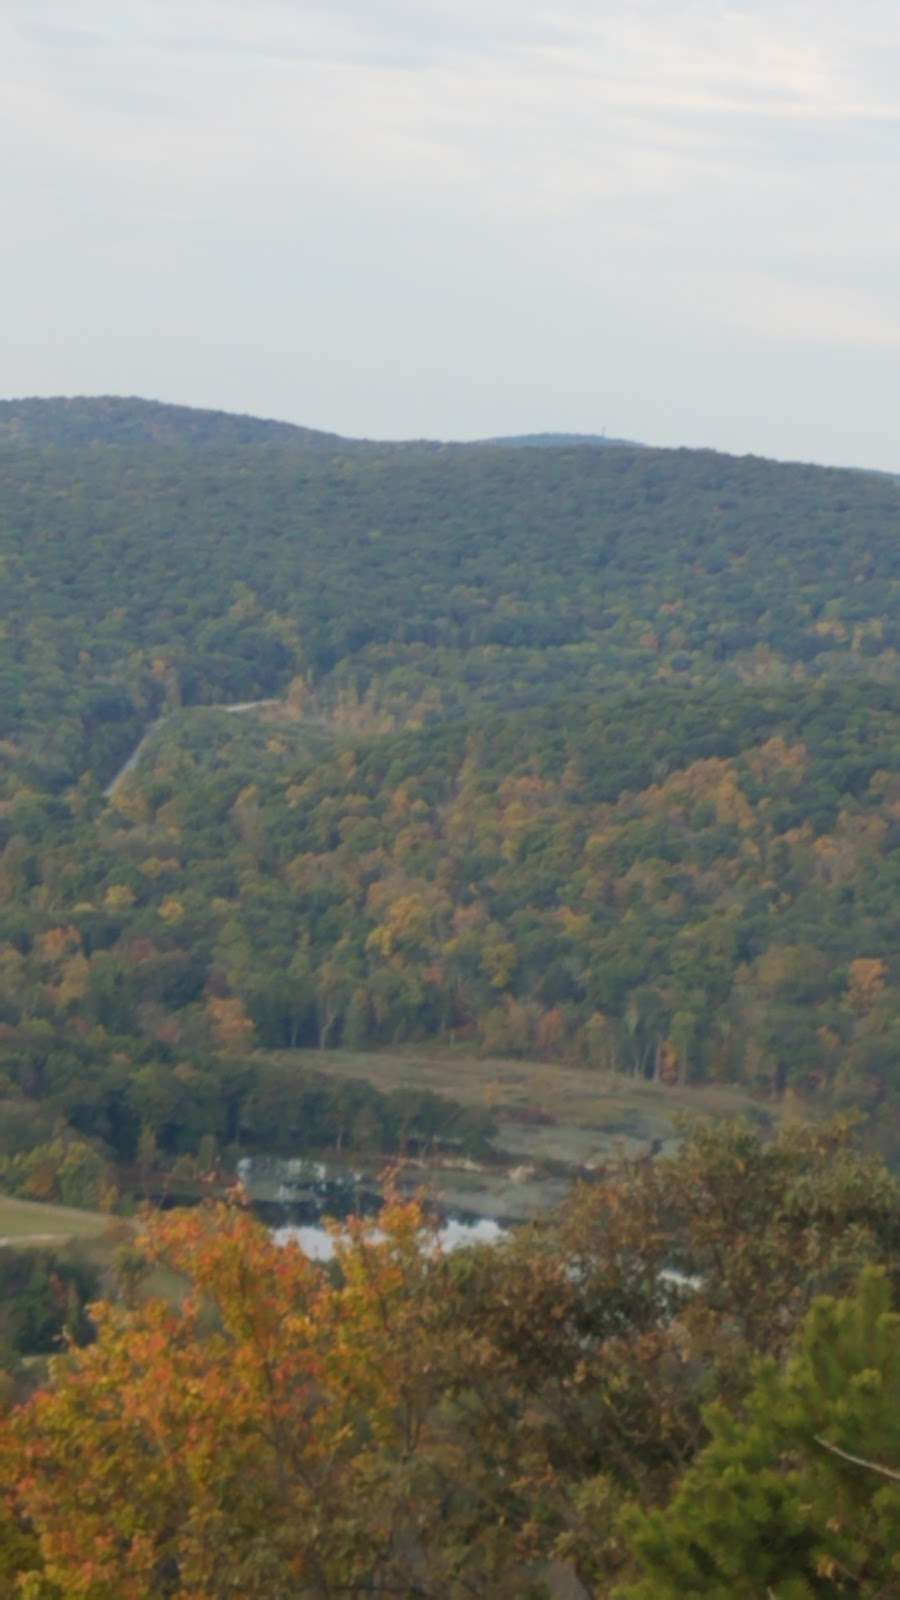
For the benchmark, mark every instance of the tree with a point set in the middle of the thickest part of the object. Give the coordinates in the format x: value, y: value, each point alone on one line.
x: 231, y: 1026
x: 279, y: 1433
x: 798, y: 1496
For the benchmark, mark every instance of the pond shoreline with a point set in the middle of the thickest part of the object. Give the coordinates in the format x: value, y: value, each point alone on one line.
x: 303, y: 1191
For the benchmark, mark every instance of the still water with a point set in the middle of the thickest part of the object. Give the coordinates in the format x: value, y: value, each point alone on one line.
x: 294, y: 1196
x: 319, y: 1245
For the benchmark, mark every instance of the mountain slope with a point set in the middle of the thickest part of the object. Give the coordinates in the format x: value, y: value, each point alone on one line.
x: 83, y: 420
x: 424, y: 577
x: 576, y: 752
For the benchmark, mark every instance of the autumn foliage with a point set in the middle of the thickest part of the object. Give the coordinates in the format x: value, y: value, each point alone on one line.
x: 487, y: 1423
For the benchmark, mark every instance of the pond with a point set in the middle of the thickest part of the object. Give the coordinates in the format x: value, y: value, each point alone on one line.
x: 294, y: 1196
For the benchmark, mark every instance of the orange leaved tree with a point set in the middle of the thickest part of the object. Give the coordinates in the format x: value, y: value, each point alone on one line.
x: 284, y: 1431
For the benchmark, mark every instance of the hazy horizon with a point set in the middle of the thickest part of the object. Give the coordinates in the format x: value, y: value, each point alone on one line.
x: 666, y: 222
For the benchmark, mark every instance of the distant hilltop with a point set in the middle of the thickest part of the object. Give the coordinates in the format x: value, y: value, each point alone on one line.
x: 128, y: 420
x: 111, y: 419
x: 558, y: 441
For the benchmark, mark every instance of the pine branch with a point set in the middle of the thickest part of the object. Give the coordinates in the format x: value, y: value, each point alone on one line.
x: 858, y: 1461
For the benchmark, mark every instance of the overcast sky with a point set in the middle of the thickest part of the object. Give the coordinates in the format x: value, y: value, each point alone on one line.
x: 672, y: 221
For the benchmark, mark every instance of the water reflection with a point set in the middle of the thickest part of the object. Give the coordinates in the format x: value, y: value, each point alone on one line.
x: 319, y: 1245
x: 293, y: 1196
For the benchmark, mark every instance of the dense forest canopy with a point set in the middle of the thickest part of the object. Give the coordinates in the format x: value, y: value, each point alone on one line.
x: 214, y: 566
x: 582, y: 753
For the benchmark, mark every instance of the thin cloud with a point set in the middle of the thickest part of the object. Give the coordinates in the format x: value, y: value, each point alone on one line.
x: 666, y: 176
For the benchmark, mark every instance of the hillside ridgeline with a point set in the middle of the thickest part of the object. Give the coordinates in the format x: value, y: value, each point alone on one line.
x: 579, y: 753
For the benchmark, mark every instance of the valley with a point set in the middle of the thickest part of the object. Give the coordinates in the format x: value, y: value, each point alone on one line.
x: 494, y: 848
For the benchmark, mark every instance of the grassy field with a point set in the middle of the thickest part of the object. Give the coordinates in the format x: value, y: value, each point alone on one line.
x: 580, y: 1106
x: 28, y: 1222
x: 552, y: 1119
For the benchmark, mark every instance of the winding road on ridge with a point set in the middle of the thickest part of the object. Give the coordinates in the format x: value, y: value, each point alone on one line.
x: 118, y: 779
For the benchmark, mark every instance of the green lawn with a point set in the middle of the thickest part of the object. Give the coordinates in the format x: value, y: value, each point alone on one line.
x: 28, y: 1222
x: 582, y: 1105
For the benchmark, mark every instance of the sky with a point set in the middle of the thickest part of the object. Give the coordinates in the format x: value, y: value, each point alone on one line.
x: 675, y: 222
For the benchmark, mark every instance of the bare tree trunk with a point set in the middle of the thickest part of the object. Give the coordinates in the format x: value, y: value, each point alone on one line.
x: 326, y: 1027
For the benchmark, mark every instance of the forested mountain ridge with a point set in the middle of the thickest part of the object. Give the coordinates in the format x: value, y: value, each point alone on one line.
x: 79, y: 420
x: 557, y: 441
x: 116, y: 420
x: 138, y: 575
x: 578, y: 753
